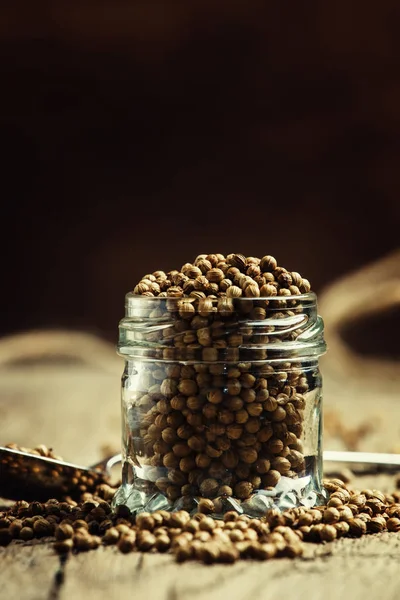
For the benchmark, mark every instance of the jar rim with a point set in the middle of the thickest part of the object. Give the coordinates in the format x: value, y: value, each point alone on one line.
x: 148, y: 329
x: 131, y: 296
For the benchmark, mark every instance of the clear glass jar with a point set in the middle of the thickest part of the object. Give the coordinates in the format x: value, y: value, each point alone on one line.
x: 221, y: 399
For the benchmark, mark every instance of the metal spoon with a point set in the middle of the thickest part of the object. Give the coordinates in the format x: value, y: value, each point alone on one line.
x: 365, y: 463
x: 28, y: 476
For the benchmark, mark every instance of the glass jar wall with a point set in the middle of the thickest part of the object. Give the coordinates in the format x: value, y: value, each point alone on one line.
x: 221, y: 399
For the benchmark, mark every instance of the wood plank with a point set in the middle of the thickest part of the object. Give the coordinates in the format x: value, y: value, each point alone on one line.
x: 364, y: 568
x: 27, y: 571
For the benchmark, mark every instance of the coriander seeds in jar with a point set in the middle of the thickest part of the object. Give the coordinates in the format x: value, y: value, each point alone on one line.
x: 221, y: 391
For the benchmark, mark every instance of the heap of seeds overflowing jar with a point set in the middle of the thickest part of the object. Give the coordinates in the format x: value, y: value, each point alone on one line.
x: 221, y: 391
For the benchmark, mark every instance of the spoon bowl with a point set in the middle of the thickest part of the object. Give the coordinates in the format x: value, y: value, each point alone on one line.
x: 25, y: 476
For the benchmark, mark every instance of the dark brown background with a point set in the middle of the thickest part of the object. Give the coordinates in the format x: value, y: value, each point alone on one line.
x: 136, y: 135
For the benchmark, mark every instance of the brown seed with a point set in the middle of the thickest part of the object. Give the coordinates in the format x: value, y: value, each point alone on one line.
x: 215, y: 275
x: 252, y: 290
x: 328, y: 533
x: 305, y: 519
x: 82, y: 541
x: 183, y: 552
x: 212, y: 451
x: 394, y: 511
x: 225, y: 306
x: 248, y: 395
x: 252, y: 425
x: 202, y: 461
x: 345, y: 513
x: 393, y: 524
x: 80, y: 524
x: 243, y: 490
x: 162, y: 543
x: 236, y: 260
x: 293, y: 549
x: 234, y: 291
x: 209, y: 553
x: 187, y: 387
x: 271, y: 478
x: 215, y: 396
x: 304, y: 286
x: 42, y: 528
x: 14, y: 528
x: 170, y: 461
x: 268, y: 263
x: 264, y: 551
x: 358, y: 500
x: 178, y: 519
x: 233, y: 403
x: 267, y: 290
x: 144, y: 520
x: 248, y: 455
x: 241, y: 416
x: 209, y: 487
x: 111, y: 536
x: 228, y: 554
x: 126, y: 543
x: 225, y: 491
x: 63, y: 546
x: 265, y: 433
x: 207, y: 524
x: 255, y: 409
x: 378, y: 495
x: 192, y: 526
x: 64, y: 532
x: 169, y: 435
x: 357, y: 527
x: 169, y: 388
x: 376, y: 524
x: 145, y: 541
x: 342, y: 528
x: 279, y: 414
x: 230, y: 459
x: 205, y: 506
x: 186, y: 308
x: 262, y: 466
x: 181, y: 449
x: 295, y: 458
x: 236, y: 535
x: 296, y: 278
x: 194, y: 419
x: 275, y: 445
x: 331, y: 515
x: 234, y: 431
x: 234, y: 386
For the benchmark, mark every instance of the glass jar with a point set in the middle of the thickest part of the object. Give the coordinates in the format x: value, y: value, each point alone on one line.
x: 221, y: 399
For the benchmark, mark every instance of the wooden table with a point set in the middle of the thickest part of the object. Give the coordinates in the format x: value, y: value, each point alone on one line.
x: 366, y: 568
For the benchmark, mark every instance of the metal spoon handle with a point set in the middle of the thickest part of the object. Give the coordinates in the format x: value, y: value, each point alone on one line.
x: 107, y: 464
x: 379, y: 461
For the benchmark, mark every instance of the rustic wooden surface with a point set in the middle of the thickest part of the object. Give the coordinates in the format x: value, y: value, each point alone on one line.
x: 356, y: 569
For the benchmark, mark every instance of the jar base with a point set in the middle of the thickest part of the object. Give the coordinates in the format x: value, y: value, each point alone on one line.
x: 288, y: 493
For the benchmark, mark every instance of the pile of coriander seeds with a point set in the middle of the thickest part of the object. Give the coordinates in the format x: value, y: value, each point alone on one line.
x: 216, y: 410
x: 90, y: 523
x: 217, y: 276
